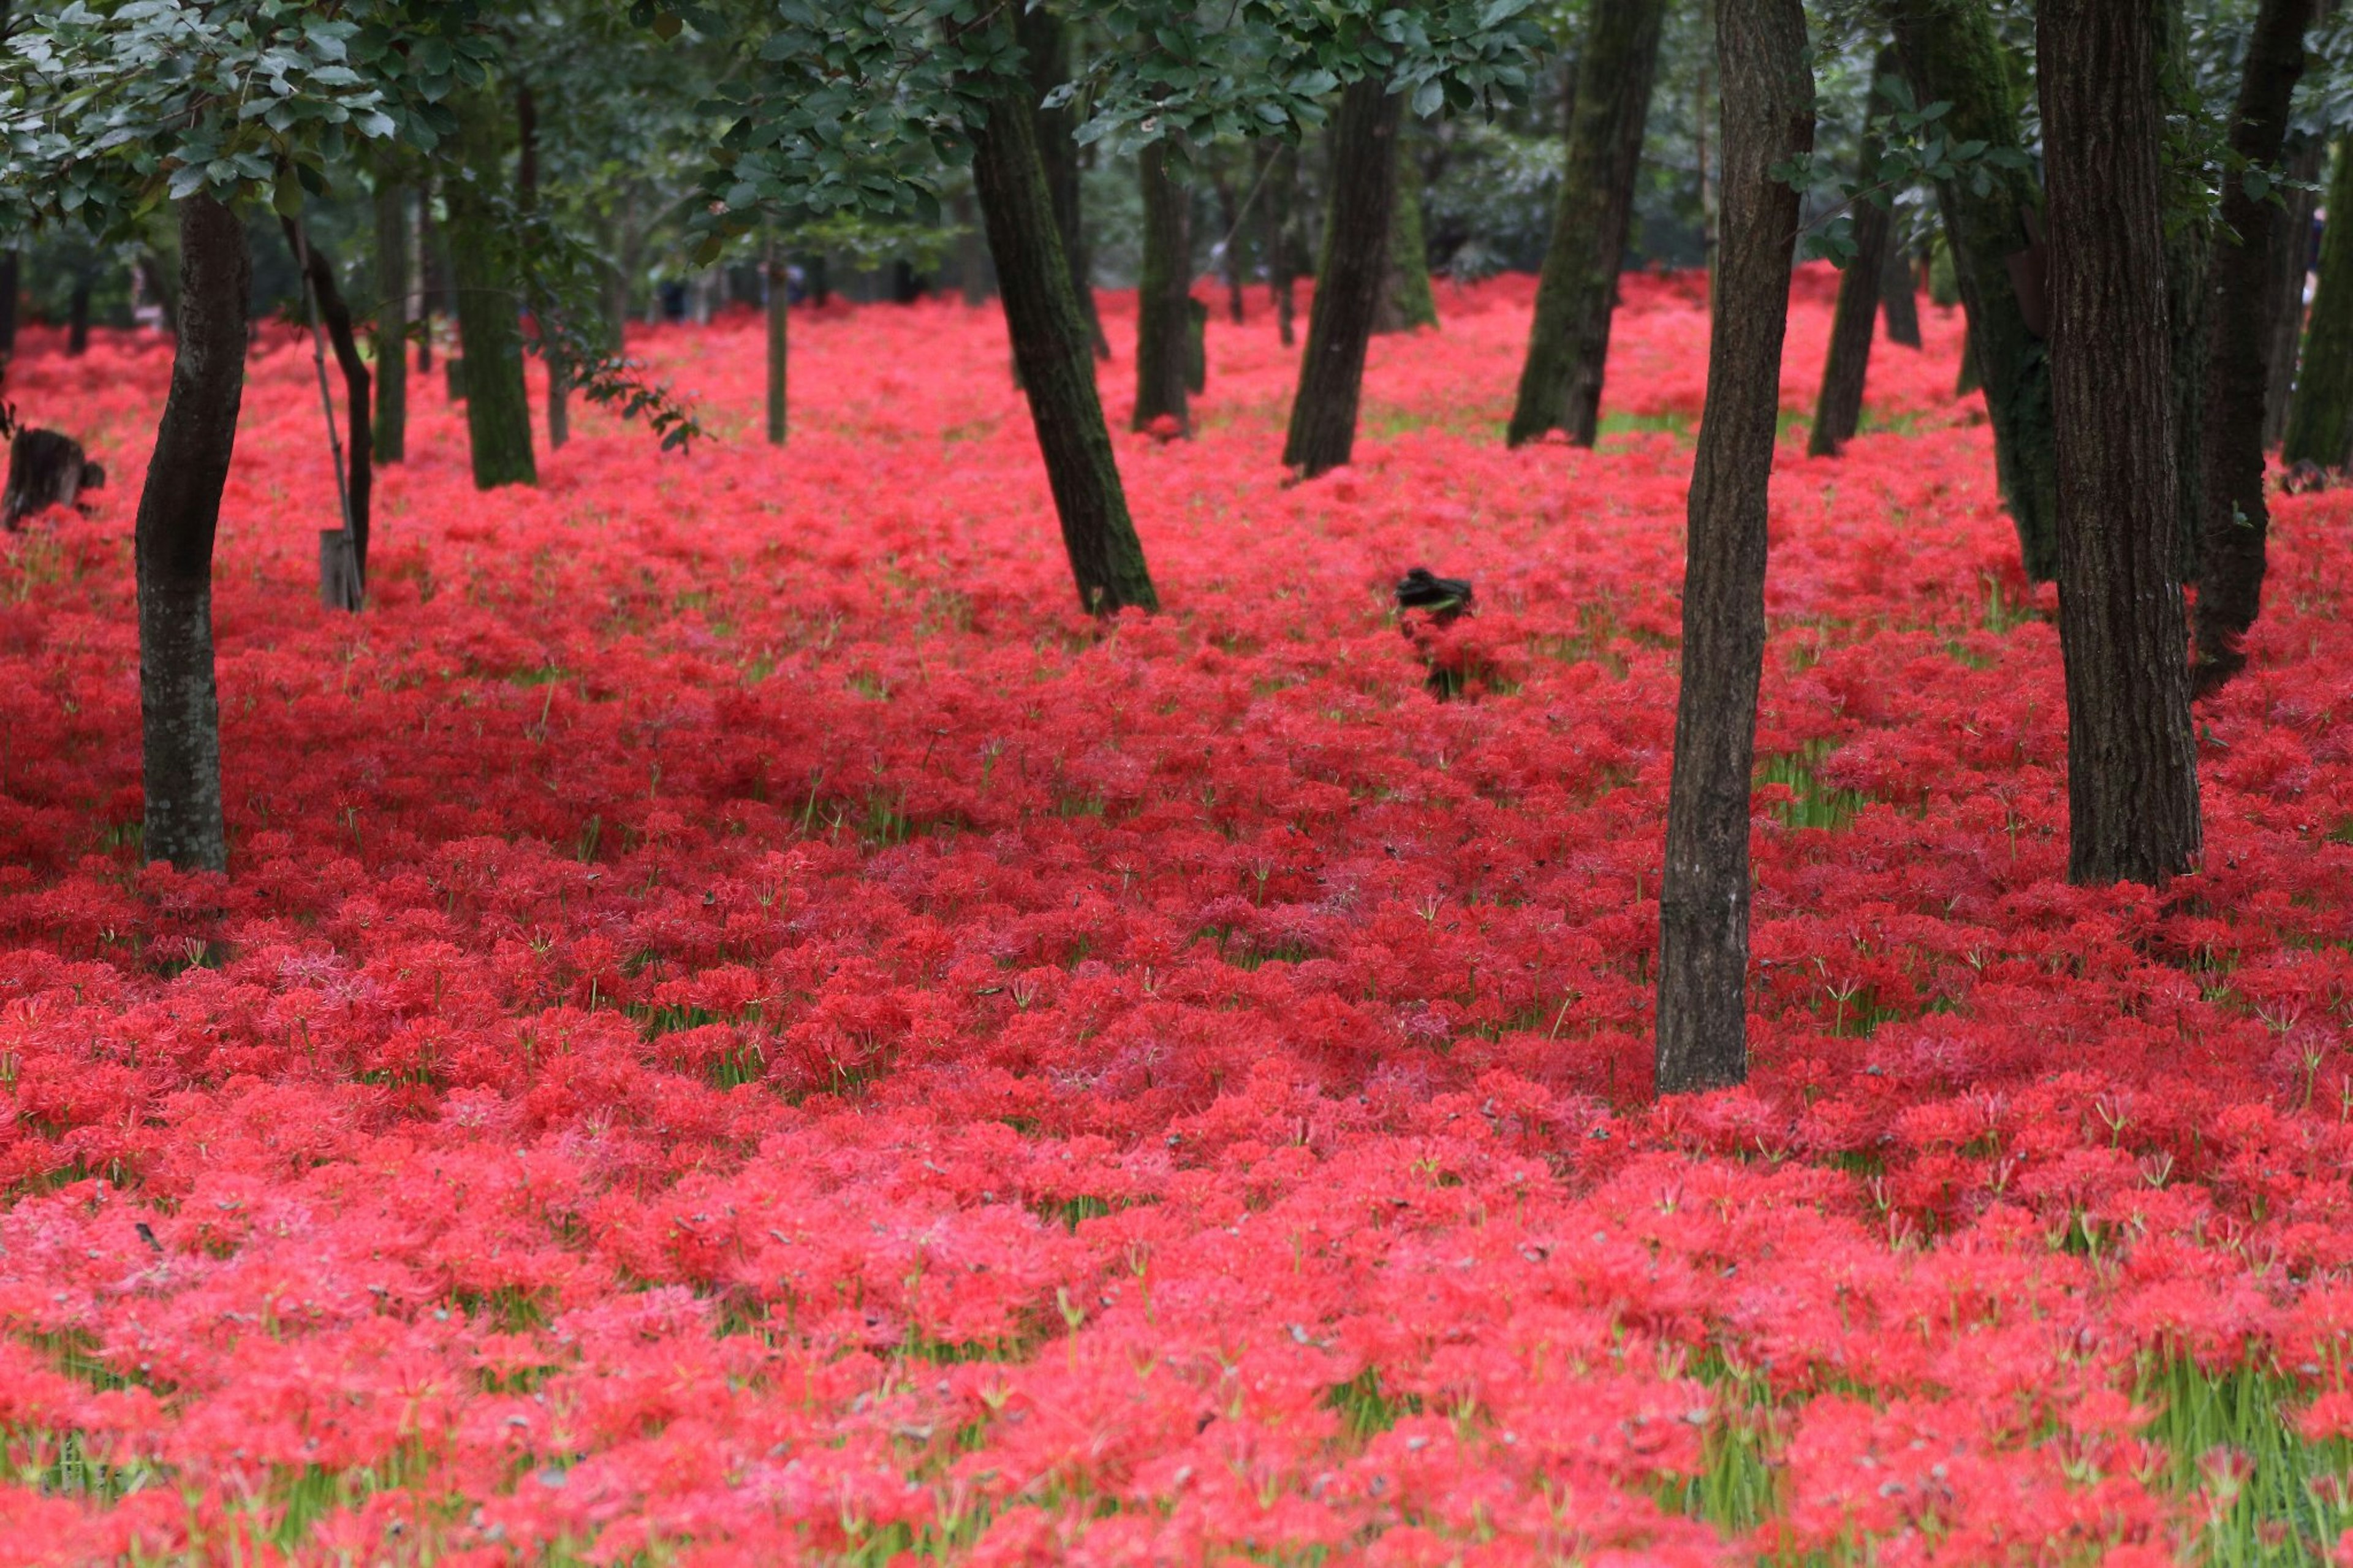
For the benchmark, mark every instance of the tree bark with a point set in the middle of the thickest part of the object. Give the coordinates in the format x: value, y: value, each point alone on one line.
x: 1340, y: 321
x: 1951, y: 53
x: 1045, y: 41
x: 431, y: 277
x: 1768, y: 119
x: 2189, y: 245
x: 78, y: 314
x: 1051, y: 347
x: 780, y: 293
x: 1230, y: 252
x: 179, y: 511
x: 391, y: 337
x: 2132, y: 760
x: 1283, y: 240
x: 335, y: 315
x: 2291, y: 258
x: 1839, y: 408
x: 1407, y: 299
x: 498, y: 413
x: 2320, y: 415
x: 1560, y: 381
x: 1900, y: 294
x: 2234, y: 518
x: 11, y: 285
x: 1164, y: 305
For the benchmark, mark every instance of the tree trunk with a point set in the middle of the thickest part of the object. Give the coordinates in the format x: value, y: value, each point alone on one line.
x: 1046, y: 43
x: 2132, y: 760
x: 1229, y: 249
x: 1164, y: 299
x: 179, y: 510
x: 1340, y: 322
x: 780, y: 296
x: 1052, y: 348
x: 1900, y: 295
x: 1838, y: 409
x: 498, y: 414
x: 11, y: 285
x: 1768, y: 119
x: 2234, y: 518
x: 1951, y: 53
x: 391, y: 338
x: 1560, y: 381
x: 1283, y: 240
x: 430, y: 276
x: 2291, y: 260
x: 971, y: 252
x: 2188, y: 243
x: 1407, y: 299
x: 335, y: 315
x: 2320, y: 416
x: 78, y: 314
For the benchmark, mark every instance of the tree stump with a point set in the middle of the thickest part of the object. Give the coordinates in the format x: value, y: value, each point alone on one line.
x: 45, y: 469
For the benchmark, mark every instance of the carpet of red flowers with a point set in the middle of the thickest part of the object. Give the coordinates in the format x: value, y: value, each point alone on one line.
x: 742, y: 1028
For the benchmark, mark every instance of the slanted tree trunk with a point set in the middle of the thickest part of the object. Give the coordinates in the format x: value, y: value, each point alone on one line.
x: 1282, y: 247
x: 391, y: 338
x: 1340, y: 322
x: 2320, y: 416
x: 335, y: 315
x: 1560, y: 381
x: 1046, y: 43
x: 1407, y: 299
x: 2291, y: 258
x: 179, y: 510
x: 1768, y: 119
x: 2132, y: 760
x: 1900, y: 295
x: 78, y: 313
x: 2234, y: 519
x: 780, y: 295
x: 1839, y: 408
x: 1951, y: 53
x: 498, y: 413
x: 1052, y: 348
x: 1164, y: 299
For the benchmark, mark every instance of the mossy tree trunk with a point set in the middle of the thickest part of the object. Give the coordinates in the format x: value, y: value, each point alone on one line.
x: 1560, y: 380
x: 1951, y: 53
x: 1340, y: 322
x: 1900, y: 295
x: 1839, y: 408
x: 1768, y: 119
x: 1407, y: 301
x: 1053, y: 349
x: 2320, y: 415
x: 2132, y: 759
x: 1045, y: 40
x: 498, y: 412
x: 2234, y: 520
x: 179, y: 513
x: 1164, y: 299
x: 390, y: 335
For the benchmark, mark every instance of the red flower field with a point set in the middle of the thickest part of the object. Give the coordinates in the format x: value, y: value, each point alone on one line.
x: 744, y: 1029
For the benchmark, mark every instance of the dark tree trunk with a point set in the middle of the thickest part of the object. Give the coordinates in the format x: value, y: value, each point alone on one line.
x: 2234, y: 518
x: 335, y: 315
x: 1900, y: 294
x: 498, y: 414
x: 179, y: 510
x: 1340, y: 322
x: 2188, y: 243
x: 78, y: 314
x: 971, y: 252
x: 391, y: 443
x: 559, y: 380
x: 11, y: 285
x: 1046, y: 43
x: 1051, y: 347
x: 780, y: 294
x: 1768, y: 119
x: 2132, y: 760
x: 1164, y: 299
x: 1951, y: 53
x: 820, y: 281
x: 1407, y: 299
x: 1230, y: 251
x: 1838, y: 409
x: 45, y: 469
x: 2291, y: 260
x: 1282, y: 239
x: 431, y: 277
x: 2320, y: 416
x: 1560, y: 381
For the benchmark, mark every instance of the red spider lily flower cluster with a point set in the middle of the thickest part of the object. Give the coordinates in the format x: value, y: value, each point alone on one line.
x: 745, y: 1029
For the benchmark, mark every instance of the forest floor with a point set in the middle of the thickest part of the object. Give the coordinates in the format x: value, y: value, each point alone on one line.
x: 741, y: 1027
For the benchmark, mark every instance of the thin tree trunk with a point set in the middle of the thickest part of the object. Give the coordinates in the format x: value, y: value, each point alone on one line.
x: 1900, y: 296
x: 1951, y: 53
x: 2234, y: 518
x: 391, y: 337
x: 971, y: 252
x: 2320, y: 416
x: 1838, y: 409
x: 335, y: 315
x: 1407, y: 301
x: 1283, y: 240
x: 498, y: 414
x: 1051, y: 346
x: 1046, y: 42
x: 2132, y: 760
x: 179, y: 511
x: 1164, y: 304
x: 551, y: 353
x: 780, y: 293
x: 2291, y: 260
x: 1768, y: 119
x: 1560, y: 381
x: 1340, y: 322
x: 78, y: 314
x: 11, y: 285
x: 1229, y: 249
x: 431, y: 276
